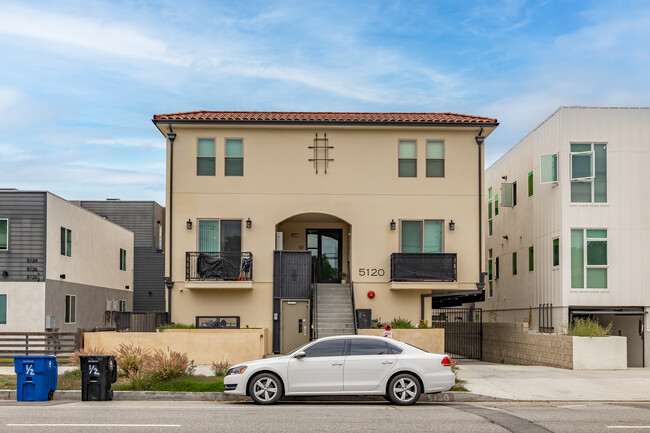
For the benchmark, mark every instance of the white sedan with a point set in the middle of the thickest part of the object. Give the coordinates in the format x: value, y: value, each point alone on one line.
x: 344, y: 365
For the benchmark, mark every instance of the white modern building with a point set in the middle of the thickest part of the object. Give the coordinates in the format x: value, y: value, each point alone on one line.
x: 61, y: 267
x: 569, y: 225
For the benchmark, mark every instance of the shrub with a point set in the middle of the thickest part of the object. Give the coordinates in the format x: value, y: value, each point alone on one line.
x: 401, y: 323
x: 162, y: 328
x: 163, y: 365
x: 131, y: 359
x: 589, y: 327
x: 220, y: 368
x: 90, y: 350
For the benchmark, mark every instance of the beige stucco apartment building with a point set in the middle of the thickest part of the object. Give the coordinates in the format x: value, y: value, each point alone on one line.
x: 569, y: 226
x: 262, y: 205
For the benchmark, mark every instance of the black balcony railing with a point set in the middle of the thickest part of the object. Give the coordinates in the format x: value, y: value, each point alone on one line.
x: 218, y: 266
x: 423, y: 267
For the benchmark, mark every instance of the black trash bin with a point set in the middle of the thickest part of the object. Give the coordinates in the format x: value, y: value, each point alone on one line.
x: 98, y: 372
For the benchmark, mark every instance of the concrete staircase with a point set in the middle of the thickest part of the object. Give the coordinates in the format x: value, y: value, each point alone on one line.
x: 334, y: 315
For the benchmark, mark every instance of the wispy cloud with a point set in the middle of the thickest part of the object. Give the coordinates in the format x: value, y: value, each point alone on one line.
x: 128, y: 142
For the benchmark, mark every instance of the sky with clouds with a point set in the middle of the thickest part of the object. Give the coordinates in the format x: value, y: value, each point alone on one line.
x: 81, y: 80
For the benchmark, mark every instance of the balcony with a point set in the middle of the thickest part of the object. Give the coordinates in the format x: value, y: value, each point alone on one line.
x: 225, y: 266
x: 434, y: 267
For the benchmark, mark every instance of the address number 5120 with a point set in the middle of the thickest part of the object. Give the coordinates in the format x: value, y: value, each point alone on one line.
x: 374, y: 272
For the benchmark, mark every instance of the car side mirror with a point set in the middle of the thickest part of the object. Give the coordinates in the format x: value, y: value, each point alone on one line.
x: 300, y: 354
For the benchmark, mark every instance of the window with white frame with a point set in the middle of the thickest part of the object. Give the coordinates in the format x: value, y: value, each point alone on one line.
x: 205, y: 157
x: 588, y: 173
x: 435, y: 159
x: 556, y: 252
x: 422, y: 236
x: 588, y: 258
x: 70, y: 309
x: 234, y: 157
x: 490, y: 264
x: 548, y: 168
x: 219, y: 235
x: 122, y: 305
x: 407, y: 163
x: 490, y: 211
x: 4, y: 234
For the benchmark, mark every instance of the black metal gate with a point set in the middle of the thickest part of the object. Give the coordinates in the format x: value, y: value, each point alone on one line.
x: 463, y: 331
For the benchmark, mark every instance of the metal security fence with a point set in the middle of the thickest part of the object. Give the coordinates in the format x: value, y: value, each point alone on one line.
x: 463, y: 331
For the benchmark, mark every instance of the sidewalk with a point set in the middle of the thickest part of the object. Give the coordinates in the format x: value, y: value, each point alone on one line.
x: 524, y: 382
x: 484, y: 380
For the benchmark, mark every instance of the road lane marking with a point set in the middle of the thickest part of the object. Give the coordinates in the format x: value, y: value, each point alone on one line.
x: 93, y: 425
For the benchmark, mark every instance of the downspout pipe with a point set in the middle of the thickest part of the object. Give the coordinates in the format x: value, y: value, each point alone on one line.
x: 480, y: 139
x: 169, y: 282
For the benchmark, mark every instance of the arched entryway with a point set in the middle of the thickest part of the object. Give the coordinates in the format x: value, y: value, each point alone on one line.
x: 325, y: 236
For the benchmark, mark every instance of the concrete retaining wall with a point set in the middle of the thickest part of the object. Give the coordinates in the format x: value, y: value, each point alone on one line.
x: 431, y: 340
x: 201, y: 345
x: 598, y: 353
x: 513, y: 344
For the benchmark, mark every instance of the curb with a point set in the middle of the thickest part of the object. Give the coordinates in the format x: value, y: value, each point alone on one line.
x: 443, y: 397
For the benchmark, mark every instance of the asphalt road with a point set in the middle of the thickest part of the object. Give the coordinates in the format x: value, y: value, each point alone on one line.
x: 311, y: 417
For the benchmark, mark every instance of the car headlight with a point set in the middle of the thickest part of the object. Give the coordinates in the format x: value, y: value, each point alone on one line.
x: 236, y: 370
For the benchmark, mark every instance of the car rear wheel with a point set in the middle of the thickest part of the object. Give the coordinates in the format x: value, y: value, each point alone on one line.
x: 404, y: 389
x: 265, y: 388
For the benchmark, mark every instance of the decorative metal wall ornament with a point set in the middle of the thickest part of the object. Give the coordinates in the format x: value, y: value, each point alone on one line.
x: 321, y: 149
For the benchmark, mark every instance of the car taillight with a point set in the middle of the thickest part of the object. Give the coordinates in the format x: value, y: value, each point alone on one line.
x: 446, y: 362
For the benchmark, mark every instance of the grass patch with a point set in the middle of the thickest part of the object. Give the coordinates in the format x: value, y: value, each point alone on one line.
x: 180, y: 384
x: 589, y: 327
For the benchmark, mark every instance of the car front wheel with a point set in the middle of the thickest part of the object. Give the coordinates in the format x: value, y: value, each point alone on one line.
x: 404, y: 389
x: 265, y: 388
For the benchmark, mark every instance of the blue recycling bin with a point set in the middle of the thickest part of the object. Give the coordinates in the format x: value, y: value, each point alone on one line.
x: 36, y: 377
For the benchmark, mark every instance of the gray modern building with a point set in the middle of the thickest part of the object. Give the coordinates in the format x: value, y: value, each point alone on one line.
x: 61, y: 267
x: 146, y: 219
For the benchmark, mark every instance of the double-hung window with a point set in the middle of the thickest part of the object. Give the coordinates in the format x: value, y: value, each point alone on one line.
x: 588, y: 173
x: 66, y: 242
x: 234, y: 157
x: 70, y: 309
x: 435, y: 159
x: 4, y: 234
x: 122, y: 260
x: 588, y: 259
x: 219, y: 236
x: 205, y: 157
x: 422, y: 236
x: 407, y: 158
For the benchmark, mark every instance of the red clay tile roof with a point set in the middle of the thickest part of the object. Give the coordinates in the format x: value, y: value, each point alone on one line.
x: 290, y: 117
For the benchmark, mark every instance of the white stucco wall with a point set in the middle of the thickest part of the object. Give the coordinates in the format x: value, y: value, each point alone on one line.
x: 25, y: 306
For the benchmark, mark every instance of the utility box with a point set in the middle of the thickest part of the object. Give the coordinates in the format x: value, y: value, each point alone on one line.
x: 364, y: 318
x: 36, y: 377
x: 98, y: 372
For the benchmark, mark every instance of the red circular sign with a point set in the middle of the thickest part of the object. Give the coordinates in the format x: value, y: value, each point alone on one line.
x: 371, y: 294
x: 387, y: 327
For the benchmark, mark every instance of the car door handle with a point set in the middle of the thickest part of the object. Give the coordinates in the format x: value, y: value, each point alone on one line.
x: 337, y: 363
x: 387, y: 362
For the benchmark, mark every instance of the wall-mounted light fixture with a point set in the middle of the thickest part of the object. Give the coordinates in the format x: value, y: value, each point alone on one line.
x: 188, y: 224
x: 452, y: 225
x: 505, y: 237
x: 504, y: 177
x: 249, y: 223
x: 62, y: 276
x: 392, y: 224
x: 126, y: 287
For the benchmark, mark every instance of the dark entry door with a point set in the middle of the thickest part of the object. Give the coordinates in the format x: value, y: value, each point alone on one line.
x: 325, y: 248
